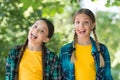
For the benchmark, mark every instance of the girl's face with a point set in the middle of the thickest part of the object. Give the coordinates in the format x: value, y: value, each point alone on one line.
x: 83, y: 25
x: 38, y: 33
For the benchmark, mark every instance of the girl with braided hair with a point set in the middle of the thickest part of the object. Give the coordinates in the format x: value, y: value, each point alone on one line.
x: 32, y: 60
x: 85, y: 58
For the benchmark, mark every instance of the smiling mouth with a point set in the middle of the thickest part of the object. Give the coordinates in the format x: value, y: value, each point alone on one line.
x: 33, y: 36
x: 81, y: 32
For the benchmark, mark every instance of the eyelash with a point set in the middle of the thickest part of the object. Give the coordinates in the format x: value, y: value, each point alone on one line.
x: 35, y: 26
x: 41, y: 31
x: 84, y: 22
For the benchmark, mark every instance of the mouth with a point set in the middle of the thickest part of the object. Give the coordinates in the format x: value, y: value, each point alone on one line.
x: 81, y: 31
x: 33, y: 36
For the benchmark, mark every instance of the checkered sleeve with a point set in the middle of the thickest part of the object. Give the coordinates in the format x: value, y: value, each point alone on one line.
x: 8, y: 73
x: 108, y: 75
x: 55, y: 67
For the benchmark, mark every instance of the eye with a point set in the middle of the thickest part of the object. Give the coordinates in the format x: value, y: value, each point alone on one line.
x: 86, y: 23
x: 41, y: 31
x: 35, y: 26
x: 77, y: 22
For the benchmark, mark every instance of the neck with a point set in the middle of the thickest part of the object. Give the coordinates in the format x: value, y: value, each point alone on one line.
x: 34, y: 47
x: 84, y: 41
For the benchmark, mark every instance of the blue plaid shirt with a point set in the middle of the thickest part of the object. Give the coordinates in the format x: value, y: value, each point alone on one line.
x: 102, y: 73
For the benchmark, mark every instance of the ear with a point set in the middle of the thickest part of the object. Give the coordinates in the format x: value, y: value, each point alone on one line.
x: 46, y: 40
x: 93, y: 26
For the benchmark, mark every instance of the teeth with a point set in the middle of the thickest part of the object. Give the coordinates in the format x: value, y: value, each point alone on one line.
x: 82, y: 30
x: 34, y: 36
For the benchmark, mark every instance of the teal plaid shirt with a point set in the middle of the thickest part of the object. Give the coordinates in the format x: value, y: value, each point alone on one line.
x: 102, y: 73
x: 52, y: 68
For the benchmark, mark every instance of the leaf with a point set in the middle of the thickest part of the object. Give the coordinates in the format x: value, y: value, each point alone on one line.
x: 116, y: 3
x: 33, y: 3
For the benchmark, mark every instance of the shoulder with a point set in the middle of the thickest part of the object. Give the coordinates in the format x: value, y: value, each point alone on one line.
x: 14, y: 51
x: 66, y: 47
x: 51, y: 57
x: 50, y: 54
x: 103, y: 47
x: 105, y: 52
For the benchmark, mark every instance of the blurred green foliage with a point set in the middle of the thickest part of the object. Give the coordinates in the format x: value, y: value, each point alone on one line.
x: 113, y: 3
x: 16, y: 16
x: 108, y: 33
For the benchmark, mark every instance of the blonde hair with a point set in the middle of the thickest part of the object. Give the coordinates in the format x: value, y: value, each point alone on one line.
x: 73, y: 57
x: 102, y: 63
x: 92, y: 17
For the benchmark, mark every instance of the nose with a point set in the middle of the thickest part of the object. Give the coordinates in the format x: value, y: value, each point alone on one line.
x: 80, y: 25
x: 36, y: 30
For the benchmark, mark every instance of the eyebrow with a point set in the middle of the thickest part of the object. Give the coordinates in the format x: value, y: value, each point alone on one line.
x: 86, y: 18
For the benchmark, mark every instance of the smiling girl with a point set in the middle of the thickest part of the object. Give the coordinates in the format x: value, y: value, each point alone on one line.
x: 85, y: 58
x: 32, y: 60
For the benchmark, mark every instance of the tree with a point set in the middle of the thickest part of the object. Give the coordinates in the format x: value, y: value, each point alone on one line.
x: 108, y: 33
x: 15, y: 18
x: 109, y: 21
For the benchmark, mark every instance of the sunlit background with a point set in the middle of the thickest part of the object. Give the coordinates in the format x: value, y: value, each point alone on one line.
x: 16, y: 16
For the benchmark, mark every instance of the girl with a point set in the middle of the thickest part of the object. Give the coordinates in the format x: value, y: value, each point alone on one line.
x: 84, y: 58
x: 32, y: 60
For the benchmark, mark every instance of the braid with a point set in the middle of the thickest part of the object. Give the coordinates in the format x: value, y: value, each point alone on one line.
x: 96, y: 39
x: 19, y: 58
x: 73, y: 57
x: 43, y: 60
x: 102, y: 64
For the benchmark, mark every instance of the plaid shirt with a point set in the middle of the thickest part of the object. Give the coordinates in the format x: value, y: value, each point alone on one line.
x: 52, y: 68
x: 102, y: 73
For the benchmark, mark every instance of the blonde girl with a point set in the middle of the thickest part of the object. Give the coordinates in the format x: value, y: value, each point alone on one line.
x: 85, y: 58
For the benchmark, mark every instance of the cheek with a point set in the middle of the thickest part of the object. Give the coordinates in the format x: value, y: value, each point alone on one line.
x: 90, y: 28
x: 29, y: 32
x: 75, y: 25
x: 76, y: 29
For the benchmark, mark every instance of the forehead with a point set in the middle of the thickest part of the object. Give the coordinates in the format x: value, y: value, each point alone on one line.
x: 82, y: 16
x: 41, y: 23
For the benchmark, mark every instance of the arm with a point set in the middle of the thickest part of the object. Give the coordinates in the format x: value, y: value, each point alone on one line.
x: 55, y: 68
x: 61, y: 63
x: 8, y: 66
x: 64, y: 63
x: 106, y: 56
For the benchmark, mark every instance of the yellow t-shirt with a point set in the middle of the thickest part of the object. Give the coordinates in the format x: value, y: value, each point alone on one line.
x: 84, y: 65
x: 30, y: 67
